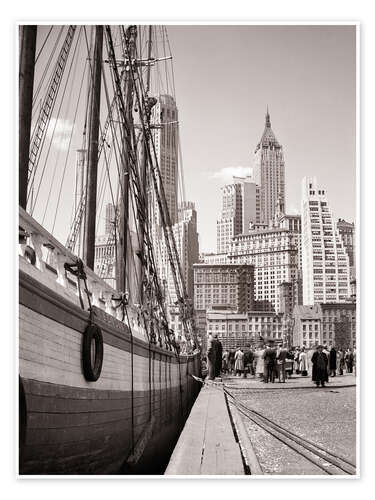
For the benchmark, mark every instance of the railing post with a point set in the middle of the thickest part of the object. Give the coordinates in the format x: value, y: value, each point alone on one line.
x: 61, y: 274
x: 96, y: 293
x: 37, y: 244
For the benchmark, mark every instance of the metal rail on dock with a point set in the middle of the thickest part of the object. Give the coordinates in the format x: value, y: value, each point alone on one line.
x: 328, y: 462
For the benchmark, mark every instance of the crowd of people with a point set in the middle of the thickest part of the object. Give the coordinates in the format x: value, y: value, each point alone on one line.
x: 269, y: 362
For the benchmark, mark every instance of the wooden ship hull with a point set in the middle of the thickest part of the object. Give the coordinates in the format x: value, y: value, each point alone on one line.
x: 129, y: 419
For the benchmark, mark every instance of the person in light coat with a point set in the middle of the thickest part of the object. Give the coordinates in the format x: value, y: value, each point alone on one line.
x: 303, y: 365
x: 259, y: 367
x: 238, y: 362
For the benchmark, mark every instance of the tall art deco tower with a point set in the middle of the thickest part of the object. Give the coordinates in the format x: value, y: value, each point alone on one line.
x: 269, y: 172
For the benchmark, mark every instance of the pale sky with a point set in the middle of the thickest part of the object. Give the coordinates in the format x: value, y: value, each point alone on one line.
x: 225, y: 78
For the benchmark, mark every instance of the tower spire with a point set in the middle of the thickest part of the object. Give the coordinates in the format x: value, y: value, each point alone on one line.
x: 268, y: 120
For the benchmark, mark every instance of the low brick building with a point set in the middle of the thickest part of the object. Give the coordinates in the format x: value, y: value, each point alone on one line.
x: 328, y: 324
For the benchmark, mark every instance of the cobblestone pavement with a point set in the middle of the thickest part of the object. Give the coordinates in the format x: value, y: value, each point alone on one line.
x: 326, y: 416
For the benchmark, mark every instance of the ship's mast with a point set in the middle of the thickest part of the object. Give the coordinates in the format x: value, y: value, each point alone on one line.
x: 131, y: 34
x: 26, y: 86
x: 150, y: 102
x: 92, y: 158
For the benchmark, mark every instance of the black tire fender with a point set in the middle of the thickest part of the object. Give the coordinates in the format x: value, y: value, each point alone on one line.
x: 91, y: 370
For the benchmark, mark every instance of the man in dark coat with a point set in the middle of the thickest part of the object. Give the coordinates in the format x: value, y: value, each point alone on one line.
x: 211, y: 356
x: 231, y: 361
x: 349, y: 361
x: 248, y: 362
x: 320, y: 364
x: 332, y: 362
x: 281, y: 356
x: 219, y: 356
x: 269, y: 357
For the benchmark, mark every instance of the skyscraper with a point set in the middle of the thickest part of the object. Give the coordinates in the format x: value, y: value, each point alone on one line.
x: 347, y: 233
x: 187, y: 243
x: 274, y: 254
x: 269, y: 172
x: 240, y: 207
x: 165, y: 119
x: 325, y: 262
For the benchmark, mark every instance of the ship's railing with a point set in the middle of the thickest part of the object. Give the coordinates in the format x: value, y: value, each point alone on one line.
x: 46, y: 254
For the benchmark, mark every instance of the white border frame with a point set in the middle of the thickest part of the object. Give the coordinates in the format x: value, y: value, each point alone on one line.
x: 358, y: 238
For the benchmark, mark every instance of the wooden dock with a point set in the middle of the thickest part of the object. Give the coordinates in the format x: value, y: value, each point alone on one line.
x: 207, y: 444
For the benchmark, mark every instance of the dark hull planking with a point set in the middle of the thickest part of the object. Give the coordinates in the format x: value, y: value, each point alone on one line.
x: 70, y: 426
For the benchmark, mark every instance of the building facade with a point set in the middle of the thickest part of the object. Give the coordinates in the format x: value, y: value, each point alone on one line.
x: 243, y: 329
x: 165, y: 119
x: 274, y: 254
x: 325, y: 263
x: 339, y: 324
x: 187, y: 243
x: 215, y: 258
x: 227, y: 287
x: 269, y: 172
x: 240, y: 208
x: 224, y: 285
x: 105, y: 259
x: 326, y: 324
x: 109, y: 218
x: 347, y: 233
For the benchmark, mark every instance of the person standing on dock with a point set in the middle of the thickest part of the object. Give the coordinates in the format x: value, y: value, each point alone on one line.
x: 340, y: 361
x: 249, y: 360
x: 320, y: 366
x: 296, y: 360
x: 231, y: 361
x: 211, y: 356
x: 332, y: 362
x: 269, y: 357
x: 349, y: 361
x: 225, y: 359
x: 281, y: 360
x: 219, y: 356
x: 303, y: 364
x: 239, y: 362
x: 259, y: 367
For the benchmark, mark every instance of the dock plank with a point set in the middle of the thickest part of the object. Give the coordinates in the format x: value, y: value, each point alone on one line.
x: 207, y: 445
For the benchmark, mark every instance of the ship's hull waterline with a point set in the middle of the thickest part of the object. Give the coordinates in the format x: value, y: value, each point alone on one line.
x: 127, y: 421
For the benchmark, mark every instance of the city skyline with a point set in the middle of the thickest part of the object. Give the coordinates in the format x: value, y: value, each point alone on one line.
x: 308, y: 85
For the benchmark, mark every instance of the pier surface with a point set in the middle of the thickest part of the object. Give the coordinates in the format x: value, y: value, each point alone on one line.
x: 207, y: 445
x: 220, y: 439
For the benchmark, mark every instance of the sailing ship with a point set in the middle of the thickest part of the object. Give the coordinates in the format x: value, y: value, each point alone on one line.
x: 105, y: 384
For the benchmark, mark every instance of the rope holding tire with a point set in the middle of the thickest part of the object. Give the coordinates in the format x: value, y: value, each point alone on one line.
x: 91, y: 370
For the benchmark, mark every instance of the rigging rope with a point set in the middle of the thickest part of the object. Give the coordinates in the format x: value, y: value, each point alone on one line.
x: 37, y: 140
x: 41, y: 81
x: 52, y: 137
x: 164, y: 212
x: 44, y: 43
x: 67, y: 156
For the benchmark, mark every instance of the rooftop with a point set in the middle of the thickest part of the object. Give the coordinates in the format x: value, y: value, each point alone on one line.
x: 268, y: 137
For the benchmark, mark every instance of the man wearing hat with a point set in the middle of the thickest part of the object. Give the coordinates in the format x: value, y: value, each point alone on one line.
x: 269, y: 357
x: 320, y: 363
